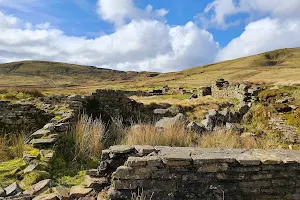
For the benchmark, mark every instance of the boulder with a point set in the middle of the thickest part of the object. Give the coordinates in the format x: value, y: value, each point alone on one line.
x: 168, y: 122
x: 208, y: 124
x: 243, y: 108
x: 13, y: 189
x: 193, y: 127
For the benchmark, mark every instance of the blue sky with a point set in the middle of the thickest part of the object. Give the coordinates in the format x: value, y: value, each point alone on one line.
x: 145, y: 35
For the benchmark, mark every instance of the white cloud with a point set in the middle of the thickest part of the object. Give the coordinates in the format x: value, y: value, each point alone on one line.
x: 121, y: 11
x: 218, y: 12
x: 142, y: 44
x: 261, y: 36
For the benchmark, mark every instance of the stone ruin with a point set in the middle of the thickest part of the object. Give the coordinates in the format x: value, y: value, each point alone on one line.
x: 222, y: 83
x: 194, y: 173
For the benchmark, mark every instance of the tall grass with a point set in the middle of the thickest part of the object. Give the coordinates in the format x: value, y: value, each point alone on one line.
x: 148, y: 134
x: 11, y: 146
x: 89, y: 134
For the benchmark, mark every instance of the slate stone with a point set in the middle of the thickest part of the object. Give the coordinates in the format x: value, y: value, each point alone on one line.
x: 39, y: 187
x: 61, y: 192
x: 13, y: 189
x: 2, y: 192
x: 79, y: 191
x: 51, y: 196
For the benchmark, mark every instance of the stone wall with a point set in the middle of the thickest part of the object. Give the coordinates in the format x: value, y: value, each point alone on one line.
x: 16, y: 117
x: 114, y: 103
x: 194, y: 173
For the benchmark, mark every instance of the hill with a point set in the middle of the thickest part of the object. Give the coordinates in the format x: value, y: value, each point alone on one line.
x: 279, y: 66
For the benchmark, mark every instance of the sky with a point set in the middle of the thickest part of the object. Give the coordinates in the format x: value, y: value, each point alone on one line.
x: 145, y: 35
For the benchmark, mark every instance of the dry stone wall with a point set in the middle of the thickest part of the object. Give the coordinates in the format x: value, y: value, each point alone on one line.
x: 194, y: 173
x: 17, y: 116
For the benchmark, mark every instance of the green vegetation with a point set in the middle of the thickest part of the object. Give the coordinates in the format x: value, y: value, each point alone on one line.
x: 9, y: 171
x: 32, y: 178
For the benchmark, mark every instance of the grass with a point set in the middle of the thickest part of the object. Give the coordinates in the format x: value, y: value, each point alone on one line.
x: 19, y: 93
x: 69, y: 78
x: 9, y: 171
x: 11, y: 146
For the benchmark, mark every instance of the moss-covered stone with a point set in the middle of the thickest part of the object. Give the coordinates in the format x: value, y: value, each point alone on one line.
x: 33, y: 177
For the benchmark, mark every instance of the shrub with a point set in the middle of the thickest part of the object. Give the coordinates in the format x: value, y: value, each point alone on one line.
x: 268, y: 95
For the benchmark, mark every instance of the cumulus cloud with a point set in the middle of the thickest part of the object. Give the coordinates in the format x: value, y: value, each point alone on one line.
x: 261, y: 36
x: 142, y: 44
x: 120, y: 11
x: 218, y: 13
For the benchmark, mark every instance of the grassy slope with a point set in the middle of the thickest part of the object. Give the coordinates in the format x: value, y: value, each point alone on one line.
x: 280, y: 66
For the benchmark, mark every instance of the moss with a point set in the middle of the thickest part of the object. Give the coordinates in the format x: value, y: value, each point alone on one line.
x: 268, y: 94
x: 69, y: 181
x: 33, y: 177
x: 58, y: 117
x: 9, y: 171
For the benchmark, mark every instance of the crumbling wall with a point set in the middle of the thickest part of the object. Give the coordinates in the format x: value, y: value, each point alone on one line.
x: 17, y: 117
x: 194, y: 173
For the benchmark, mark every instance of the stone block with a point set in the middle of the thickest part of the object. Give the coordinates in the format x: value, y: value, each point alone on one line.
x: 136, y: 161
x: 144, y: 149
x: 39, y: 187
x: 79, y: 191
x: 13, y: 189
x: 121, y: 149
x: 213, y: 168
x: 154, y: 161
x: 51, y: 196
x: 177, y: 160
x: 61, y: 192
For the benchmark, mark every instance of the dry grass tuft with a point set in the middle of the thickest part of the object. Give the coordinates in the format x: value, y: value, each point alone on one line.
x: 147, y: 134
x: 11, y: 146
x: 89, y: 134
x: 221, y: 139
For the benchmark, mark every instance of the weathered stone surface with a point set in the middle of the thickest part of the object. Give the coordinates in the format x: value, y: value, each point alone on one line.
x: 49, y: 126
x: 46, y: 197
x: 43, y: 141
x: 202, y: 173
x: 121, y: 149
x: 79, y: 191
x: 13, y: 189
x: 168, y: 122
x: 61, y: 192
x: 39, y: 187
x: 92, y: 172
x: 136, y: 161
x: 154, y: 161
x: 30, y: 167
x: 18, y: 197
x: 214, y: 167
x: 177, y: 159
x: 40, y: 133
x: 97, y: 183
x: 193, y: 127
x: 48, y: 154
x: 144, y: 149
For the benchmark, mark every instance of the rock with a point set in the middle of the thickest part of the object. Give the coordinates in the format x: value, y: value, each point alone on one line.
x: 74, y: 97
x: 40, y: 133
x: 193, y: 96
x: 206, y: 91
x: 47, y: 153
x: 39, y: 187
x: 121, y: 149
x: 18, y: 197
x: 97, y: 183
x: 193, y: 127
x: 161, y: 111
x: 30, y: 167
x: 168, y: 122
x: 61, y: 192
x: 13, y: 189
x: 234, y: 127
x: 49, y: 126
x: 208, y: 124
x: 79, y: 191
x: 282, y: 108
x: 43, y: 141
x: 51, y: 196
x: 294, y: 107
x: 243, y: 108
x: 62, y: 127
x: 2, y: 192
